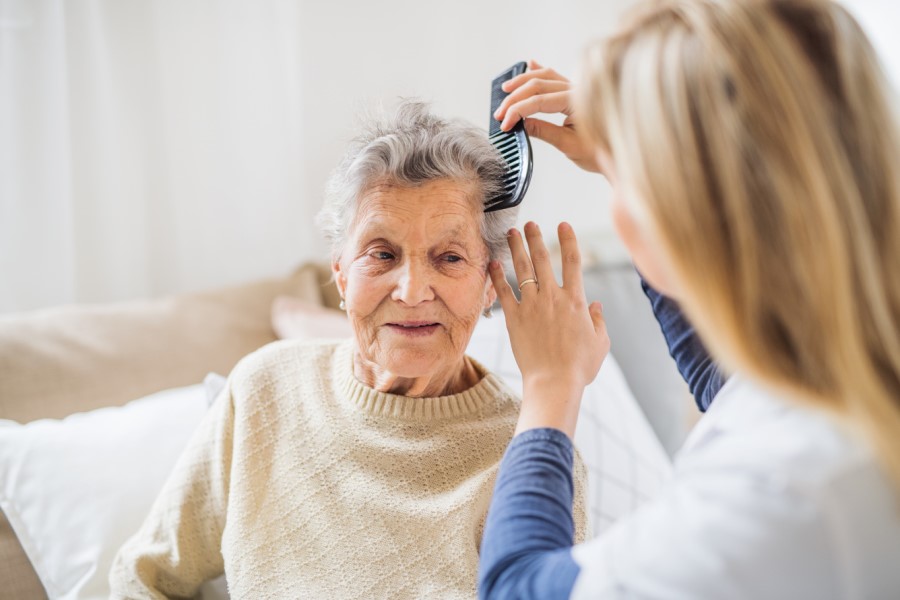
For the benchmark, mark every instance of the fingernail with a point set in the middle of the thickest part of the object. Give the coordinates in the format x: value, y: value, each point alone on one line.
x: 503, y: 86
x: 497, y: 114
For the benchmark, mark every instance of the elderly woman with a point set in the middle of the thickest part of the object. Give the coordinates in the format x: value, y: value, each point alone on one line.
x: 358, y: 469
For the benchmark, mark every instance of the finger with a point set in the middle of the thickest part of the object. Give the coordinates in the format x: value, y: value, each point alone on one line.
x: 540, y: 72
x: 504, y: 293
x: 520, y: 259
x: 532, y: 88
x: 555, y: 102
x: 571, y: 259
x: 559, y: 137
x: 545, y: 72
x: 540, y: 256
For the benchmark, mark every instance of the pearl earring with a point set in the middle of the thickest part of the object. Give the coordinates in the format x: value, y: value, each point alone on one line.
x: 342, y: 305
x: 488, y: 312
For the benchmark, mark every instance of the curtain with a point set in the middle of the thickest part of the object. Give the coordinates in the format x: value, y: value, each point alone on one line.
x: 147, y: 147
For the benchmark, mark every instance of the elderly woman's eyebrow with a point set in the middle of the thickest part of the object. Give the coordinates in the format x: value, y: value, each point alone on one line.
x: 456, y: 236
x: 456, y: 233
x: 373, y: 227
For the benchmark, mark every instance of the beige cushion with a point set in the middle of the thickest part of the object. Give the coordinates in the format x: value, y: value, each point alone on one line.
x: 17, y: 578
x: 331, y: 298
x: 64, y: 360
x: 293, y: 318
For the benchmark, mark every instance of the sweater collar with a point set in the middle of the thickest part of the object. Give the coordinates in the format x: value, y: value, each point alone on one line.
x: 488, y: 392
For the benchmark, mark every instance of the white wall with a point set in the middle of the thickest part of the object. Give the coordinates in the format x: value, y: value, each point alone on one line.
x: 879, y: 19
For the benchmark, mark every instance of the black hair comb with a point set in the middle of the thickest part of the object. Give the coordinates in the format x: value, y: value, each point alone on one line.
x: 514, y: 147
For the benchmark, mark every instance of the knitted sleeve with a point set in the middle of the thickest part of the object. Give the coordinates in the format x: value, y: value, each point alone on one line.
x: 178, y: 547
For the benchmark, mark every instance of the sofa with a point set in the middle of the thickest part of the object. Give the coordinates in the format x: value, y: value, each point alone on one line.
x: 57, y: 362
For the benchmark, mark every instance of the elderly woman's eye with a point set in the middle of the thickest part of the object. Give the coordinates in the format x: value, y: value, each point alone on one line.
x: 452, y: 258
x: 382, y: 255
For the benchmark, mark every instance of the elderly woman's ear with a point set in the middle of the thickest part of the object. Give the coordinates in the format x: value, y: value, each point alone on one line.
x: 490, y: 295
x: 340, y: 279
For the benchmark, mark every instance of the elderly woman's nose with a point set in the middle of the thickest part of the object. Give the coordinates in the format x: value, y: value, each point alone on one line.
x: 414, y: 284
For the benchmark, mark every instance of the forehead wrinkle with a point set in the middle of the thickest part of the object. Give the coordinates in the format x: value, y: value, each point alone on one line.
x: 461, y: 193
x: 376, y: 215
x: 456, y: 218
x: 376, y: 227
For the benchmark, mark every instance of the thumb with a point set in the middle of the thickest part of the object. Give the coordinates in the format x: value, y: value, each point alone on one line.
x: 550, y: 133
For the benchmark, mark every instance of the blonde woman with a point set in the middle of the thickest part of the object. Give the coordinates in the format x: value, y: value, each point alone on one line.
x: 753, y: 153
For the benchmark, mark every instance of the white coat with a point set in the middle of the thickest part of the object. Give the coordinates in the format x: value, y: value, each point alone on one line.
x: 769, y: 500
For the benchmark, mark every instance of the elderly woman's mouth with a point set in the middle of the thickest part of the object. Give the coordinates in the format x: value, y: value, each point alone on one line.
x: 413, y: 328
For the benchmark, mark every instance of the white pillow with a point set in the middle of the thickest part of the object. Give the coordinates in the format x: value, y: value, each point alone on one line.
x: 75, y: 489
x: 626, y: 463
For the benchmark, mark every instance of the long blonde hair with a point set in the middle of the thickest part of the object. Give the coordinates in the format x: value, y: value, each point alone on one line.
x: 761, y: 140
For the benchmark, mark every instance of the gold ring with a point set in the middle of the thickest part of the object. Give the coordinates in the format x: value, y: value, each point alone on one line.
x: 526, y: 282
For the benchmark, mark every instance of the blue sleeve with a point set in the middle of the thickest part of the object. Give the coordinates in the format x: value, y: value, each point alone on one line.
x: 703, y: 376
x: 529, y: 532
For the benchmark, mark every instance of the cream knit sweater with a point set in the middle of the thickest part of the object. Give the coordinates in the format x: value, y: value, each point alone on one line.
x: 302, y: 482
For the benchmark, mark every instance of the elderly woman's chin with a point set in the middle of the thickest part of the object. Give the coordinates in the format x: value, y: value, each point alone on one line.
x: 418, y: 350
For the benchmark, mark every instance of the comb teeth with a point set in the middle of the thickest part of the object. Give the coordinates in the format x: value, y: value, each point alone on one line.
x: 507, y: 144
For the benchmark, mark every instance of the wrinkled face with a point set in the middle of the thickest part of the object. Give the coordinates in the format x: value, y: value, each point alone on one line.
x: 413, y: 275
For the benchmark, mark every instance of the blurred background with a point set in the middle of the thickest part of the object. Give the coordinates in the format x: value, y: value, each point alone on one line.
x: 155, y: 147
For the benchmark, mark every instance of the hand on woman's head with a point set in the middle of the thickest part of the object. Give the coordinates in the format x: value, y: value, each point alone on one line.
x: 543, y: 90
x: 558, y: 339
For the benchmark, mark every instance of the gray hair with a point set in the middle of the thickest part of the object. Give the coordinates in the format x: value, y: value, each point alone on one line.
x: 409, y: 149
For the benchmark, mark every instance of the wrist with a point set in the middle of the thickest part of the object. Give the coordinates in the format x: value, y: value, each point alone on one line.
x: 550, y: 402
x: 552, y: 386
